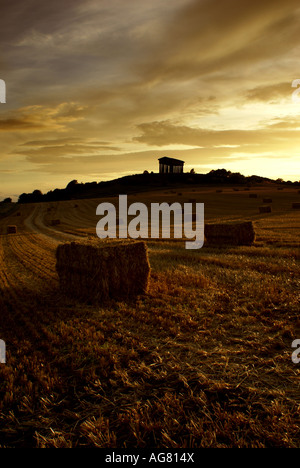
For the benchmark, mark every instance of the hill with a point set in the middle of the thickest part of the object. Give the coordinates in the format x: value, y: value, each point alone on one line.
x: 145, y: 182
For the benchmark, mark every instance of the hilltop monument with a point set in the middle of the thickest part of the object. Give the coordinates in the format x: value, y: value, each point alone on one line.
x: 170, y: 166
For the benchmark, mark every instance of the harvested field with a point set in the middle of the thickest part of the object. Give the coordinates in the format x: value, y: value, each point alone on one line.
x: 203, y: 359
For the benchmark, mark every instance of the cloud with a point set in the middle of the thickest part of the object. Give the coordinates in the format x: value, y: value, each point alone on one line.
x: 270, y: 93
x: 61, y: 150
x: 212, y: 36
x: 166, y: 133
x: 33, y: 118
x: 70, y: 141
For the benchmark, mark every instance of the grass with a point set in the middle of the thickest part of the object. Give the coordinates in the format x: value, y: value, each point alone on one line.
x: 202, y: 360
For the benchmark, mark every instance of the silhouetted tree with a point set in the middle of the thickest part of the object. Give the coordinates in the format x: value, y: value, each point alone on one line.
x: 37, y: 196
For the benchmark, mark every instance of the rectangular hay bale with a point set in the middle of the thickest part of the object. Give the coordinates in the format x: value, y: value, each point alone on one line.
x: 230, y: 233
x: 55, y: 222
x: 11, y: 229
x: 265, y: 209
x: 98, y: 270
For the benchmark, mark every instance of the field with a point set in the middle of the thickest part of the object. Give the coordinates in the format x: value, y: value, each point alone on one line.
x: 202, y: 360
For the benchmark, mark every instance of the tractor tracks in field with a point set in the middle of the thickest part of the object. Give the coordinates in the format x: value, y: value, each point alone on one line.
x: 35, y: 222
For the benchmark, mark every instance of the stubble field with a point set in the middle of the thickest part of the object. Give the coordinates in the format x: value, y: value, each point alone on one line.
x: 202, y: 360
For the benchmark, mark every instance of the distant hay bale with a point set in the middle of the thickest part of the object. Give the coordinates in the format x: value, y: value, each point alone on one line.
x: 252, y: 195
x: 55, y: 222
x: 236, y: 190
x: 11, y: 229
x: 296, y: 206
x: 230, y: 233
x: 219, y: 191
x: 97, y: 270
x: 267, y: 200
x: 265, y: 209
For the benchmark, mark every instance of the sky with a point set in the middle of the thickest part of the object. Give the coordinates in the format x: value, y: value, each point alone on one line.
x: 99, y: 89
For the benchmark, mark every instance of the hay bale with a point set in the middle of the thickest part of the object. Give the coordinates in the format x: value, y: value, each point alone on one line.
x: 267, y: 200
x: 252, y: 195
x: 55, y: 222
x: 265, y: 209
x: 12, y: 229
x: 219, y: 191
x: 93, y: 271
x: 296, y: 206
x: 230, y: 233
